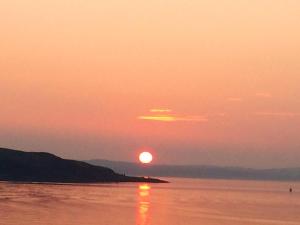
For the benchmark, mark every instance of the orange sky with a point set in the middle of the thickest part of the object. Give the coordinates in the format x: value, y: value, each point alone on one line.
x: 210, y: 82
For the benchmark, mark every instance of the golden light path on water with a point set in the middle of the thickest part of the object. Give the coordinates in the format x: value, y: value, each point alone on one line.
x: 143, y: 207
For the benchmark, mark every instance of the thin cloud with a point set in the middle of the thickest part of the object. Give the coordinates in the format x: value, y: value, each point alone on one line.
x: 220, y: 114
x: 160, y: 110
x: 278, y: 114
x: 263, y: 95
x: 234, y: 99
x: 164, y: 115
x: 170, y: 118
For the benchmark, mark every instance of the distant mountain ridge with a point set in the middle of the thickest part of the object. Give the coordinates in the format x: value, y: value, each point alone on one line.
x: 201, y: 171
x: 45, y: 167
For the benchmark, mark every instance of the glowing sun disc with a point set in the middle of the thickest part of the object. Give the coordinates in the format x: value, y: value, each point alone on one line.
x: 145, y: 157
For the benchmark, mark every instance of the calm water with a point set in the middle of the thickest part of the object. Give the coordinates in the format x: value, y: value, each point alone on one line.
x: 182, y: 202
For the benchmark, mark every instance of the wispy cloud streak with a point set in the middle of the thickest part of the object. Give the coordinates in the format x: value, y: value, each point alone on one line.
x: 170, y: 118
x: 278, y: 114
x: 235, y: 99
x: 164, y: 115
x: 263, y: 95
x: 160, y: 110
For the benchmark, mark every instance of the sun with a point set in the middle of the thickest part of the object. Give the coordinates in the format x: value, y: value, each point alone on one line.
x: 145, y: 157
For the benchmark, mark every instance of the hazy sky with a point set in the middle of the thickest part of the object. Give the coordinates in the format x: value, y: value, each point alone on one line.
x: 199, y: 81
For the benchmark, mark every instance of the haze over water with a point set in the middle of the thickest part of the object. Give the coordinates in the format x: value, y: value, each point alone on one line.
x: 184, y: 201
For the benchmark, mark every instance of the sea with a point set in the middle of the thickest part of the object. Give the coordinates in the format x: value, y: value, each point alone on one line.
x: 180, y: 202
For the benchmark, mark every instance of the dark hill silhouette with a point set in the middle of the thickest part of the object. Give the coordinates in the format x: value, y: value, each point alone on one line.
x: 45, y: 167
x: 201, y: 171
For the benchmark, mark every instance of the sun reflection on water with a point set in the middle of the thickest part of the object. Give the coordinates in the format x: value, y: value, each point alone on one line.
x: 143, y: 204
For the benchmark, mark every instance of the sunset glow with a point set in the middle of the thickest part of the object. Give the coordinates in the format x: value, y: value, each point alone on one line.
x: 210, y: 82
